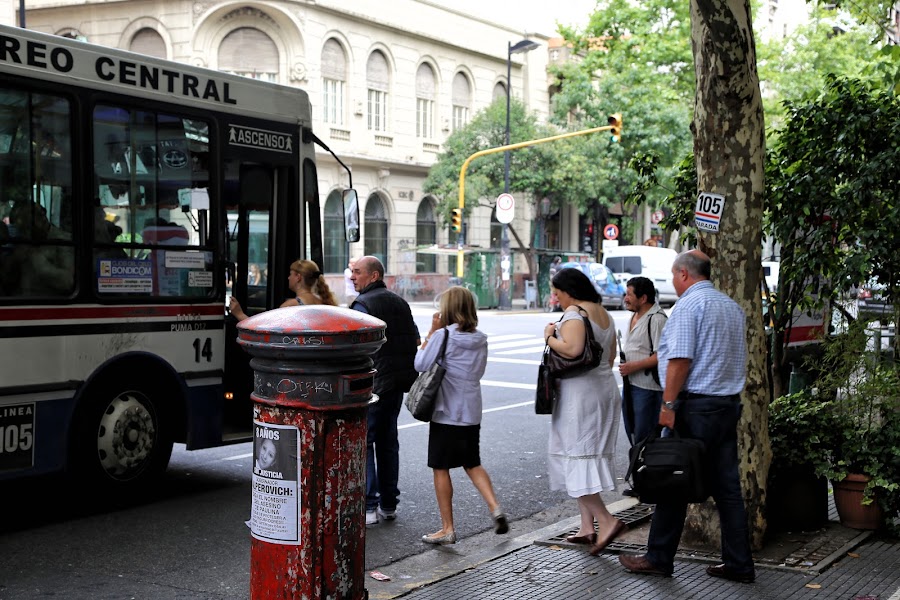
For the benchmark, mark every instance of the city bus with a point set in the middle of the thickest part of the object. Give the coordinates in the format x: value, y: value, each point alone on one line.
x: 136, y: 196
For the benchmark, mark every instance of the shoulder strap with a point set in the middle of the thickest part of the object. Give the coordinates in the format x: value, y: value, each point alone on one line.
x: 588, y: 330
x: 650, y: 330
x: 444, y: 344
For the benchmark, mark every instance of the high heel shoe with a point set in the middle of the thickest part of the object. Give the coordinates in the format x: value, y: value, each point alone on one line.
x: 617, y: 530
x: 582, y: 539
x: 440, y: 540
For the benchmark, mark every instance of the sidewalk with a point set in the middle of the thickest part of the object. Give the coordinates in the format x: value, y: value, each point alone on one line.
x: 832, y: 563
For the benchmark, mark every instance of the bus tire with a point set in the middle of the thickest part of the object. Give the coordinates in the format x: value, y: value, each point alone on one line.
x: 122, y: 441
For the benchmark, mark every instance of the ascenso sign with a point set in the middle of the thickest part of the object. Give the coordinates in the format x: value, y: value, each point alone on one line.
x: 120, y: 69
x: 252, y: 137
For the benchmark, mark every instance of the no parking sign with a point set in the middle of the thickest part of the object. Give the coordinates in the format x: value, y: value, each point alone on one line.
x: 506, y: 208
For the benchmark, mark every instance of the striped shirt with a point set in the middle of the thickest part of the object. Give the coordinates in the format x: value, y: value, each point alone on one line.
x: 709, y: 328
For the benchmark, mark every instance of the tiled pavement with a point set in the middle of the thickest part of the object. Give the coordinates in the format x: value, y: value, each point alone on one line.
x: 833, y: 563
x: 541, y: 572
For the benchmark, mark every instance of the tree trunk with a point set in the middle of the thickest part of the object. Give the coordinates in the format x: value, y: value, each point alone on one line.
x: 729, y: 149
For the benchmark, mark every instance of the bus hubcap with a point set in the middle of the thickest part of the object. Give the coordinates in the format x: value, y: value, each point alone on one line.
x: 125, y: 436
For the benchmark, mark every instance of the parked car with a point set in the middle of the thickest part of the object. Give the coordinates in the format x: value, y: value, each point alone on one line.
x: 872, y: 301
x: 611, y: 292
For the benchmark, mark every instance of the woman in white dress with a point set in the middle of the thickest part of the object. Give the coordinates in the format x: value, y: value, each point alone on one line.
x: 585, y: 421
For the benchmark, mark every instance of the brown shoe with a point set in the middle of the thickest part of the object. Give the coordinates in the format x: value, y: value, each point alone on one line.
x: 725, y: 573
x: 618, y: 529
x: 641, y: 566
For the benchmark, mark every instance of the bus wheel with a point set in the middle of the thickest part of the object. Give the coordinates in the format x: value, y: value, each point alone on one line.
x: 124, y: 443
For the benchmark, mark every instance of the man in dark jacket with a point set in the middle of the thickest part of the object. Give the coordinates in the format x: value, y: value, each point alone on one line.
x: 394, y: 375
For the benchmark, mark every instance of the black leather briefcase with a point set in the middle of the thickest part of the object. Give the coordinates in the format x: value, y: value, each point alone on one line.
x: 668, y: 469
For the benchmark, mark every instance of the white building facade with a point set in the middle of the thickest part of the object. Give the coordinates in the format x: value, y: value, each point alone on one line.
x: 389, y: 82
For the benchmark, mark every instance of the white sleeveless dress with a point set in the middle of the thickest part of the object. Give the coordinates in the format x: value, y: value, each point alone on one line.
x: 585, y: 424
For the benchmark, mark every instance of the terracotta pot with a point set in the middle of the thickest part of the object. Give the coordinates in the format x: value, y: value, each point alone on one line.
x: 848, y: 496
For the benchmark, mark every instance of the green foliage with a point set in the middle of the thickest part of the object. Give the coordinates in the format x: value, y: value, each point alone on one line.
x: 573, y: 171
x: 625, y: 66
x: 833, y: 199
x: 801, y: 431
x: 680, y: 198
x: 862, y: 391
x: 485, y: 175
x: 795, y: 67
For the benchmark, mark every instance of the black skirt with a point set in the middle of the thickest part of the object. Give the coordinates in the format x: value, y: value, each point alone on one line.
x: 451, y: 446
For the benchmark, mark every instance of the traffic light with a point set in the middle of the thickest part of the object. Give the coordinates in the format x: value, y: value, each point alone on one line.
x: 456, y: 220
x: 615, y: 120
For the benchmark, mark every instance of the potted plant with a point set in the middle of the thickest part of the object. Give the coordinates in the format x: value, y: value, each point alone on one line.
x: 863, y: 462
x: 801, y: 434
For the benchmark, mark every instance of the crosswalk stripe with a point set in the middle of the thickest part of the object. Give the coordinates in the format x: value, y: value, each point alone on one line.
x: 487, y: 410
x: 528, y: 350
x: 507, y: 337
x: 508, y: 384
x: 514, y: 361
x: 516, y: 344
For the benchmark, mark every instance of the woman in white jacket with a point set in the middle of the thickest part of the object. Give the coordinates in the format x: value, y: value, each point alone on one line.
x: 454, y: 431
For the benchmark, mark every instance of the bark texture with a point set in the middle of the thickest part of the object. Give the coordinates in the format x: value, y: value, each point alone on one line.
x: 729, y: 148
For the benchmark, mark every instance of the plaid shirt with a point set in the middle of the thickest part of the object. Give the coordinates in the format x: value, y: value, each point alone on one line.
x: 709, y: 328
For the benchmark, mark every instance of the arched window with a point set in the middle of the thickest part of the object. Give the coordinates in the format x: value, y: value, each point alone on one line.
x: 147, y: 41
x: 378, y: 80
x: 499, y: 93
x: 249, y: 52
x: 426, y: 235
x: 335, y: 250
x: 334, y: 78
x: 376, y: 229
x: 425, y: 92
x: 462, y: 101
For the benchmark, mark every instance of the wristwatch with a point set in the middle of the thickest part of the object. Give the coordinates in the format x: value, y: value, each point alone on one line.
x: 669, y: 405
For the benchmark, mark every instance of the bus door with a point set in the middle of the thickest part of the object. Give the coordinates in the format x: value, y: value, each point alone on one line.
x: 263, y: 239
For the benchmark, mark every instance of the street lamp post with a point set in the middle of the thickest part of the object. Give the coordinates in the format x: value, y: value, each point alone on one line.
x: 505, y: 259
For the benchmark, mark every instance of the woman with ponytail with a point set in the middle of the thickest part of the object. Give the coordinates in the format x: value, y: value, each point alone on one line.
x: 307, y: 283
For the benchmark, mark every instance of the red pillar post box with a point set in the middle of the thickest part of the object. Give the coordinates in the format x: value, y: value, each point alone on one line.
x: 312, y: 384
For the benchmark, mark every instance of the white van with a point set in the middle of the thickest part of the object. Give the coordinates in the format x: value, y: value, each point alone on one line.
x: 645, y: 261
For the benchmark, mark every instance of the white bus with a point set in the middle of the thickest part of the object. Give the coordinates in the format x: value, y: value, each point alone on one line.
x: 128, y: 187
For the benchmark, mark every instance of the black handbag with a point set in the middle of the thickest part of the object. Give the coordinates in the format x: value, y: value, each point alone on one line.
x: 546, y: 391
x: 562, y: 367
x: 668, y: 469
x: 424, y: 391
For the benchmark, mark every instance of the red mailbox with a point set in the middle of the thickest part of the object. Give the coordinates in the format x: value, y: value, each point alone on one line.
x: 312, y: 384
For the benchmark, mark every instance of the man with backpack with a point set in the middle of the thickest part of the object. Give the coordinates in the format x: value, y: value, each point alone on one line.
x: 645, y: 328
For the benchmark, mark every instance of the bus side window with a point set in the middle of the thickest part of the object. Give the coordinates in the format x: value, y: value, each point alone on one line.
x: 9, y: 268
x: 45, y: 268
